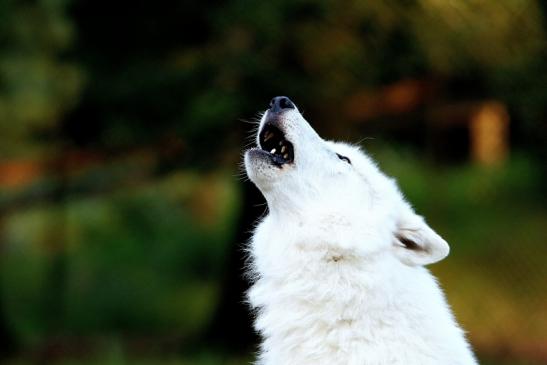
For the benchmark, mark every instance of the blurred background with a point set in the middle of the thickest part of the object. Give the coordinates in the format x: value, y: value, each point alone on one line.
x: 123, y: 209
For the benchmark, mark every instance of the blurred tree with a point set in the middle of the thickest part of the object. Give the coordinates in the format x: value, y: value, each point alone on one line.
x: 8, y: 341
x: 36, y: 87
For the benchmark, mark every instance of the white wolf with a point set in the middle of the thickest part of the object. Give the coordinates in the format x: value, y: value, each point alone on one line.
x: 338, y: 261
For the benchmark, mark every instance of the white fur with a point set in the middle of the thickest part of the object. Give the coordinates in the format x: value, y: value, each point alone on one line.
x: 333, y: 283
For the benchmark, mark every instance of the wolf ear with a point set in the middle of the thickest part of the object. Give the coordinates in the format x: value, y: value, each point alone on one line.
x: 415, y: 243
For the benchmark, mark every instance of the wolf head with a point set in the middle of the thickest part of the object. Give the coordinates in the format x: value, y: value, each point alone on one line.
x: 324, y: 190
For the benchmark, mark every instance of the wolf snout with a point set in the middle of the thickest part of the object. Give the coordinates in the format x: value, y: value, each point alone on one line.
x: 281, y: 103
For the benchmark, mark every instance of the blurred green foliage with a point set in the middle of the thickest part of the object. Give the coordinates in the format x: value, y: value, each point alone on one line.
x: 126, y: 256
x: 36, y: 86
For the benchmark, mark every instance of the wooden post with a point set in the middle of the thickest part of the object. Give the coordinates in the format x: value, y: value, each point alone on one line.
x: 488, y: 133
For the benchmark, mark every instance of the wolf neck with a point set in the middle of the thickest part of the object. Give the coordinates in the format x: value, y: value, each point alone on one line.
x: 284, y: 208
x: 305, y: 209
x: 313, y: 240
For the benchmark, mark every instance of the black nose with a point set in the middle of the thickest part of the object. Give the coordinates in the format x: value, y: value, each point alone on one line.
x: 280, y: 103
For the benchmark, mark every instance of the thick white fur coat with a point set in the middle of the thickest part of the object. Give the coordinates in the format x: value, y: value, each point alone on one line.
x: 337, y: 263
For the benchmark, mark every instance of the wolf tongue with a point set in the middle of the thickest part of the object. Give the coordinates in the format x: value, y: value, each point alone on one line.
x: 278, y: 159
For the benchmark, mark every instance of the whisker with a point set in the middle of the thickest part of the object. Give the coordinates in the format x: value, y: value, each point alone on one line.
x: 365, y: 139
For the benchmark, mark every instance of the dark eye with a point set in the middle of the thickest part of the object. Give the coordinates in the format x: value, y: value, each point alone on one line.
x: 343, y: 158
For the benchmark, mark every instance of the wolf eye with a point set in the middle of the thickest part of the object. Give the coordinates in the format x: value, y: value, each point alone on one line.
x: 343, y: 158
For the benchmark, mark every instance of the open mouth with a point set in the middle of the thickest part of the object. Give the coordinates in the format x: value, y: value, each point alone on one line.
x: 272, y: 140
